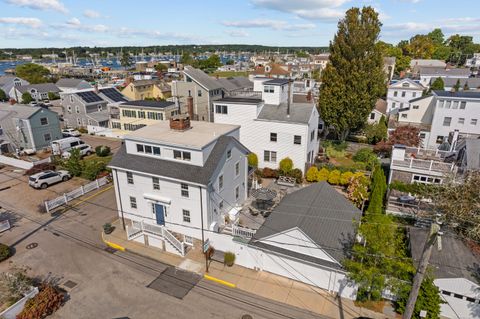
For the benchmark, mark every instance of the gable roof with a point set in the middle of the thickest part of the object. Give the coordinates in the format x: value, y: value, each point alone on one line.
x: 381, y: 106
x: 70, y: 82
x: 442, y: 71
x: 4, y: 79
x: 275, y: 69
x: 177, y: 170
x: 20, y: 111
x: 420, y: 98
x: 208, y: 82
x: 321, y: 213
x: 473, y: 83
x: 40, y: 87
x: 112, y: 94
x: 236, y: 83
x: 415, y: 85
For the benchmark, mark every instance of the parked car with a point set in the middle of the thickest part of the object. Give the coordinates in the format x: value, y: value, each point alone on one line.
x: 84, y: 149
x: 33, y: 103
x: 65, y: 144
x: 70, y: 132
x: 47, y: 178
x: 407, y: 199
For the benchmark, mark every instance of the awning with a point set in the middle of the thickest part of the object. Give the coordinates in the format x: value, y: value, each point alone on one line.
x: 153, y: 198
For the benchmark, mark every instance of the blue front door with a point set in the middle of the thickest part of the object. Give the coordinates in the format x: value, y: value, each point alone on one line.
x: 159, y: 213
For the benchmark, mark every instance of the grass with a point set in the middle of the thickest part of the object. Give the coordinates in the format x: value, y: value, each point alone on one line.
x: 228, y: 74
x: 95, y: 157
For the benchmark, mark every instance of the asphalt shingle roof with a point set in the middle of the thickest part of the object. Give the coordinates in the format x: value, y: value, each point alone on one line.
x: 21, y: 111
x: 319, y: 211
x: 299, y: 112
x: 202, y: 78
x: 460, y: 94
x: 41, y: 87
x: 69, y: 82
x: 276, y: 82
x: 473, y: 83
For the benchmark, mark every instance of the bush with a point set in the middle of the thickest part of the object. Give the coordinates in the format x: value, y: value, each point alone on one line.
x: 53, y: 96
x: 345, y: 178
x: 74, y: 164
x: 4, y: 252
x: 229, y: 259
x: 82, y: 130
x: 269, y: 173
x: 92, y: 169
x: 312, y: 174
x: 27, y: 98
x: 252, y: 160
x: 323, y: 175
x: 367, y: 156
x: 335, y: 149
x: 297, y: 174
x: 40, y: 168
x: 46, y: 302
x: 41, y: 208
x: 3, y: 96
x: 334, y: 177
x: 102, y: 150
x: 108, y: 228
x: 285, y: 166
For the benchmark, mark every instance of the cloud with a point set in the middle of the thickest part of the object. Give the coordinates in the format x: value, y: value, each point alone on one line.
x: 75, y: 23
x: 268, y: 24
x: 30, y: 22
x: 327, y: 10
x: 172, y: 36
x: 237, y: 33
x: 92, y: 14
x: 54, y: 5
x: 411, y: 1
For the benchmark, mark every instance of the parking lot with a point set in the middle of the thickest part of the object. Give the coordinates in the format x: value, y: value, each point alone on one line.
x: 94, y: 141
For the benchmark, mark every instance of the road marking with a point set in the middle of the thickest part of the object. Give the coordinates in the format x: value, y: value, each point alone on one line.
x: 223, y: 282
x: 113, y: 245
x: 80, y: 201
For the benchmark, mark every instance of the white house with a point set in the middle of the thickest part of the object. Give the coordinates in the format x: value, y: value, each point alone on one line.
x: 473, y: 62
x: 427, y: 73
x: 271, y: 125
x: 69, y: 85
x: 7, y: 82
x: 378, y: 111
x: 401, y: 92
x: 175, y: 179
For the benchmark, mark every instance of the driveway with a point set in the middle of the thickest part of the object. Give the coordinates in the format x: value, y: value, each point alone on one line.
x: 94, y: 141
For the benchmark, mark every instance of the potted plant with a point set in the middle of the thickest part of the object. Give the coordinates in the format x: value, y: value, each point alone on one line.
x: 229, y: 259
x: 108, y: 228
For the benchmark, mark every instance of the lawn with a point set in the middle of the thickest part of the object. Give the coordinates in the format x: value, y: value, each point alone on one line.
x: 228, y: 74
x: 95, y: 157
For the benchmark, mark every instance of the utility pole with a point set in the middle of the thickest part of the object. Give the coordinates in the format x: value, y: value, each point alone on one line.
x: 422, y: 268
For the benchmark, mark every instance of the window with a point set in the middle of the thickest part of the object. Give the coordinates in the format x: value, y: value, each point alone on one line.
x: 129, y: 178
x: 220, y: 205
x: 448, y: 104
x: 297, y: 139
x: 184, y: 188
x: 415, y: 107
x: 186, y: 215
x: 71, y: 98
x: 273, y: 137
x: 446, y: 121
x: 414, y: 94
x: 404, y: 93
x: 156, y: 183
x: 133, y: 202
x: 439, y: 139
x: 422, y: 135
x: 426, y: 179
x: 401, y: 105
x: 395, y: 93
x: 140, y: 148
x: 312, y: 135
x: 141, y: 114
x: 394, y: 105
x: 268, y: 89
x: 43, y: 121
x: 237, y: 192
x: 220, y: 182
x: 461, y: 120
x: 148, y: 149
x: 372, y: 116
x: 47, y: 137
x: 237, y: 168
x: 77, y: 109
x: 455, y: 105
x: 473, y: 122
x: 156, y: 150
x: 229, y: 154
x: 69, y: 109
x: 405, y: 85
x: 404, y: 116
x: 462, y: 105
x: 441, y: 103
x: 221, y: 109
x: 270, y: 156
x: 199, y: 93
x: 99, y: 107
x: 180, y: 155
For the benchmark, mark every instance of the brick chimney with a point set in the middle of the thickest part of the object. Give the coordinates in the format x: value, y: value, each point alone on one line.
x: 190, y: 106
x: 12, y: 101
x: 96, y: 87
x: 180, y: 122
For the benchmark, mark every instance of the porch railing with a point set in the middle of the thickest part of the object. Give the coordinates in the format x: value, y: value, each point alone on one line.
x: 242, y: 231
x: 142, y: 228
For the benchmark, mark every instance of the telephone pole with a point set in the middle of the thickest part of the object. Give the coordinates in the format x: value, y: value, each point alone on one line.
x: 422, y: 268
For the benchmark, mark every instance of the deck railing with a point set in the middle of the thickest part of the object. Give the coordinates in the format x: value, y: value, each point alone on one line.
x: 242, y: 231
x: 429, y: 165
x: 143, y: 228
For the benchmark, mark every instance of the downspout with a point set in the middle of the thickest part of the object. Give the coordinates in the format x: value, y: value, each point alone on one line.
x: 203, y: 236
x: 120, y: 199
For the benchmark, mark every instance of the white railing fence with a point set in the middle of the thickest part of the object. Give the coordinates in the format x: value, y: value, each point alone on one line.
x: 242, y: 231
x: 82, y: 190
x: 142, y: 228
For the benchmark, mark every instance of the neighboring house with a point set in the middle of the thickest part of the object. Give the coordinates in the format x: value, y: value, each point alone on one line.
x: 235, y: 83
x: 427, y: 73
x: 473, y: 62
x: 418, y: 113
x: 449, y: 83
x: 27, y: 127
x: 389, y: 66
x: 203, y: 88
x: 273, y: 70
x: 111, y: 95
x: 177, y: 179
x: 147, y: 89
x: 84, y: 108
x: 468, y: 158
x: 321, y: 60
x: 7, y: 82
x: 401, y: 92
x: 68, y: 85
x: 37, y: 91
x: 307, y: 237
x: 379, y: 110
x: 416, y: 64
x: 455, y: 269
x: 136, y: 114
x: 272, y: 126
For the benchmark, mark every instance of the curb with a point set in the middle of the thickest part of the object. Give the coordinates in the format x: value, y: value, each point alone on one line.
x: 112, y: 245
x: 223, y: 282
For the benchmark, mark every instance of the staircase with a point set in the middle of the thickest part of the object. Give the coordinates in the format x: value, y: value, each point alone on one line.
x: 138, y: 229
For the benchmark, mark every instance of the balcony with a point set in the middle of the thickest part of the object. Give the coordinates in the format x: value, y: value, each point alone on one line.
x: 426, y: 165
x: 246, y: 93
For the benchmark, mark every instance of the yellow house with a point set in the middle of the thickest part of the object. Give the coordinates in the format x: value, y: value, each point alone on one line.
x: 133, y: 115
x: 147, y: 89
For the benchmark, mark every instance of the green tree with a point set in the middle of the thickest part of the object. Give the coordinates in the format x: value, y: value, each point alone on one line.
x: 53, y: 96
x: 354, y: 79
x: 376, y: 132
x: 357, y: 190
x: 3, y: 96
x: 442, y: 52
x: 125, y: 60
x: 74, y: 163
x: 437, y: 85
x: 230, y: 62
x: 377, y: 191
x: 33, y: 73
x: 210, y: 64
x: 437, y: 37
x: 252, y: 160
x: 302, y: 54
x: 312, y: 174
x: 465, y: 86
x: 285, y: 165
x: 186, y: 59
x: 428, y: 299
x: 457, y: 86
x: 161, y: 67
x: 26, y: 98
x: 421, y: 47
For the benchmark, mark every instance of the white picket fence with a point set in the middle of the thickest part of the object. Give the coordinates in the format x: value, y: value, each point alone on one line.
x: 82, y: 190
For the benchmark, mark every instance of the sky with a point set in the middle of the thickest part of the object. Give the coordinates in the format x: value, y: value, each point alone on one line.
x: 66, y: 23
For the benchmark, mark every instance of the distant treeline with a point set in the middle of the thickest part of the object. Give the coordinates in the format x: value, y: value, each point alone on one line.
x: 36, y: 53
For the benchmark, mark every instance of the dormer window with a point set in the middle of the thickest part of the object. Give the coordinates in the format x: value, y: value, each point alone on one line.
x: 181, y: 155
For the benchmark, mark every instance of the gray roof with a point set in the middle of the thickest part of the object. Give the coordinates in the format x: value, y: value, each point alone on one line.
x: 146, y: 103
x: 473, y: 153
x: 460, y: 94
x: 473, y: 83
x: 40, y: 87
x: 276, y: 82
x: 321, y: 213
x: 181, y: 171
x: 419, y: 98
x: 241, y: 100
x: 236, y: 83
x: 99, y: 116
x: 4, y: 79
x: 443, y: 71
x: 69, y: 82
x: 20, y: 111
x: 202, y: 78
x: 299, y: 112
x: 455, y: 260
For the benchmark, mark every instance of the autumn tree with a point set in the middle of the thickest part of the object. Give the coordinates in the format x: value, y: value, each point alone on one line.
x: 421, y: 47
x: 354, y: 79
x: 33, y: 73
x: 404, y: 135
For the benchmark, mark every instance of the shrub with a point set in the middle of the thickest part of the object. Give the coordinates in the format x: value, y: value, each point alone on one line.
x: 82, y: 130
x: 252, y: 160
x: 108, y: 228
x: 367, y: 156
x: 3, y: 96
x: 285, y: 166
x: 47, y: 301
x: 297, y: 174
x: 14, y: 284
x: 27, y: 98
x: 323, y: 174
x: 229, y: 258
x: 74, y: 164
x: 334, y: 177
x: 102, y: 150
x: 53, y: 96
x: 40, y: 168
x: 41, y: 208
x: 335, y: 149
x: 4, y: 252
x: 92, y: 169
x: 345, y: 178
x: 312, y: 174
x: 269, y: 173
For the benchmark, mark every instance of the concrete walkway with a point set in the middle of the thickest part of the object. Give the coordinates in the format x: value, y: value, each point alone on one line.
x: 260, y: 283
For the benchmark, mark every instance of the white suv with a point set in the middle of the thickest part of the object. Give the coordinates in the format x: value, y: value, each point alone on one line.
x: 70, y: 132
x: 85, y: 150
x: 47, y: 178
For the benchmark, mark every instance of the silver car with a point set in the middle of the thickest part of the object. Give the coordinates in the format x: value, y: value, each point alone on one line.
x: 47, y: 178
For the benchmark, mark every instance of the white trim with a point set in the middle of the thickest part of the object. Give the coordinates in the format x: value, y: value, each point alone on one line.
x: 156, y: 199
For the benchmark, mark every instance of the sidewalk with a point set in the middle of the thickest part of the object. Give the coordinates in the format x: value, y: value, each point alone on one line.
x: 260, y: 283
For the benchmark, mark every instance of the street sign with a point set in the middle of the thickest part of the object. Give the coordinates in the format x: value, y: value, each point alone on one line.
x: 4, y: 225
x: 206, y: 245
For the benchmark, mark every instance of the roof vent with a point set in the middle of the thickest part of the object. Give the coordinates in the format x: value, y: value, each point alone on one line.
x: 180, y: 122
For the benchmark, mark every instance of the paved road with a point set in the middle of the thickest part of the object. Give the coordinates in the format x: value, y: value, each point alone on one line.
x: 112, y: 285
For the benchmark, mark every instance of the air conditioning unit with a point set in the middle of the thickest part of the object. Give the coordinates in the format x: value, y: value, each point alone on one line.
x: 214, y: 227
